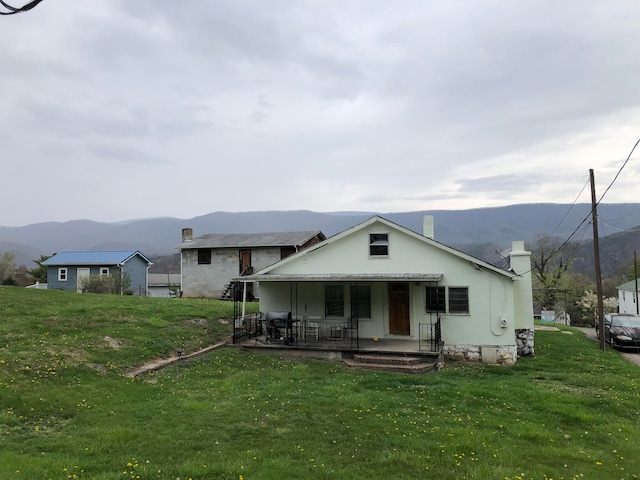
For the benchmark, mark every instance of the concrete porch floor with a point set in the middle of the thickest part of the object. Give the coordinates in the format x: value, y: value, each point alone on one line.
x: 383, y: 345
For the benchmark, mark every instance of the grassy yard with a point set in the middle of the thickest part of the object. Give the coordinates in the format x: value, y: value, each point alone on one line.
x: 67, y: 410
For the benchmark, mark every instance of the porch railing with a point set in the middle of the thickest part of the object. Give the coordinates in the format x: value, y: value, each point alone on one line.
x: 430, y: 336
x: 247, y: 327
x: 341, y: 335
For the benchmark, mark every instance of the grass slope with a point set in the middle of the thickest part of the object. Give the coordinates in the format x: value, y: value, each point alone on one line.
x: 67, y: 410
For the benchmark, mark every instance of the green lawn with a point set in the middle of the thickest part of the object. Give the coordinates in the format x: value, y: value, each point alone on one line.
x: 67, y: 410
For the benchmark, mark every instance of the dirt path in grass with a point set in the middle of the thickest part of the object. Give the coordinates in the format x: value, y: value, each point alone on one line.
x: 160, y: 363
x: 633, y: 357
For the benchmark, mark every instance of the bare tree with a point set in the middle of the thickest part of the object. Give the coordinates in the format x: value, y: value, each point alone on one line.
x: 7, y: 267
x: 550, y: 259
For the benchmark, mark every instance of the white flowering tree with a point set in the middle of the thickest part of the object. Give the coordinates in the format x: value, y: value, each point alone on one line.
x: 588, y: 303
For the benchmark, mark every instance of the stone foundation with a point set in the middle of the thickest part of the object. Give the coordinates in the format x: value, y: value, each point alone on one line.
x: 495, y: 354
x: 525, y: 342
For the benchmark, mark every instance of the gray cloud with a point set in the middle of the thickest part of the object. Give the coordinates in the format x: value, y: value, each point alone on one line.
x: 358, y: 105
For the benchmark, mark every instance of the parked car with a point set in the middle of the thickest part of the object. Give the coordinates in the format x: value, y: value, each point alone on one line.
x: 621, y: 330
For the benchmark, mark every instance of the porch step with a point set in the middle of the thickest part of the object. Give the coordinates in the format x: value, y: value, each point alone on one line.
x: 386, y: 359
x: 390, y: 363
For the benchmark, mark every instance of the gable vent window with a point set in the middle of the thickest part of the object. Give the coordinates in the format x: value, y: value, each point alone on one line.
x: 379, y: 244
x: 204, y: 256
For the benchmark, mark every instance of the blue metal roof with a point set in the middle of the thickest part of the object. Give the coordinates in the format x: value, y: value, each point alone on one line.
x: 97, y: 257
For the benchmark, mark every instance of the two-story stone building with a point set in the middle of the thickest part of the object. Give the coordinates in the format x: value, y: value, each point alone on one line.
x: 209, y: 262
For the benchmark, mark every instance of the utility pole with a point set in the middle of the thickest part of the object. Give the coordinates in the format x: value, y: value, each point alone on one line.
x: 596, y: 256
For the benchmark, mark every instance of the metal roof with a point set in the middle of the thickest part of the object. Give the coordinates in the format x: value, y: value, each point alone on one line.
x: 630, y: 285
x: 91, y: 257
x: 343, y: 277
x: 231, y: 240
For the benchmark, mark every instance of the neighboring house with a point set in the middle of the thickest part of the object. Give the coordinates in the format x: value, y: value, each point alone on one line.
x: 209, y: 263
x: 164, y: 284
x: 65, y: 270
x: 627, y: 297
x: 387, y: 283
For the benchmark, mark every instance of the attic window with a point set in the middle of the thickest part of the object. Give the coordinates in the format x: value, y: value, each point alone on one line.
x: 204, y: 256
x: 379, y: 244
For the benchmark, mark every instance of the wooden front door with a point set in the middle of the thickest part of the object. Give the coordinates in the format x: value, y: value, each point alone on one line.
x: 399, y: 320
x: 245, y: 260
x: 245, y: 269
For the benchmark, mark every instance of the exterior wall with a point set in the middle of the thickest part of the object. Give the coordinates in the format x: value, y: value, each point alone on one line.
x: 627, y: 301
x: 520, y: 261
x: 210, y: 281
x: 489, y: 303
x: 136, y: 267
x: 498, y: 327
x: 159, y: 291
x: 491, y: 296
x: 53, y: 282
x: 72, y: 276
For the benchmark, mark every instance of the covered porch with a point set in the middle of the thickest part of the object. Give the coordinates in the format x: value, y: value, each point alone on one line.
x: 253, y: 331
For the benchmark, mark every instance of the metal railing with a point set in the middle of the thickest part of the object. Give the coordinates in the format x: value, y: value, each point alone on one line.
x: 247, y: 327
x: 430, y: 336
x: 342, y: 335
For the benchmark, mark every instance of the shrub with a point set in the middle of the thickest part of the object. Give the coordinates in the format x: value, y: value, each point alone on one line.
x: 115, y: 283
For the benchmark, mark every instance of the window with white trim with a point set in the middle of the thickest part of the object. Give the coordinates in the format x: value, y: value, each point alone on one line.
x: 361, y: 301
x: 458, y: 299
x: 104, y: 271
x: 436, y: 300
x: 62, y: 274
x: 378, y: 244
x: 334, y: 300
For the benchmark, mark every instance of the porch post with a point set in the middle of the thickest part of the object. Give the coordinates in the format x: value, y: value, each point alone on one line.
x: 244, y: 298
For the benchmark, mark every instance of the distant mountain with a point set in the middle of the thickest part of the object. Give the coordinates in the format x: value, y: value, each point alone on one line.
x: 481, y: 230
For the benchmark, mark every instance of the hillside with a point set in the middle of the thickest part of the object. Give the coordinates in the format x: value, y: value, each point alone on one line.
x: 480, y: 232
x: 68, y: 410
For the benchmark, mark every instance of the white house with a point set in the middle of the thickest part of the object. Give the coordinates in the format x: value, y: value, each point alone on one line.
x: 386, y: 282
x: 627, y: 297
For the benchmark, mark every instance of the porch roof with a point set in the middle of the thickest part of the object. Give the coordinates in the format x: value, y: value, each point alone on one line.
x: 341, y: 277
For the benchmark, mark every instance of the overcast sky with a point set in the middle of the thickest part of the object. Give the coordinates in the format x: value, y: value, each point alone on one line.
x: 121, y: 109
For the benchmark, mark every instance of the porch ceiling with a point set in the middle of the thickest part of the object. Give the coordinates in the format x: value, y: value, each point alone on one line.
x: 342, y: 277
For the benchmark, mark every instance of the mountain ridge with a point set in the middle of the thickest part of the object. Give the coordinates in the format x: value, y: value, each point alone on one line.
x: 484, y: 228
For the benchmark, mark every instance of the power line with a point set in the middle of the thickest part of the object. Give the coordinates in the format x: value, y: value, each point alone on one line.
x: 13, y: 10
x: 571, y: 207
x: 619, y: 171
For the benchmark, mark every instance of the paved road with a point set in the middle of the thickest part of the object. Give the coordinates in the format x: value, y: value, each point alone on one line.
x: 591, y: 333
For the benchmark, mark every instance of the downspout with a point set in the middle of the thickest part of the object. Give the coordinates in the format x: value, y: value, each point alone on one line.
x: 146, y: 282
x: 121, y: 278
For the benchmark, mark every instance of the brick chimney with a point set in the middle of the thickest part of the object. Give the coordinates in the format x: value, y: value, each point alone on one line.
x: 187, y: 235
x: 427, y: 226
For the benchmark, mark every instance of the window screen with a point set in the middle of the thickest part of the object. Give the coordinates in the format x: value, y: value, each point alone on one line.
x: 458, y: 300
x: 334, y: 300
